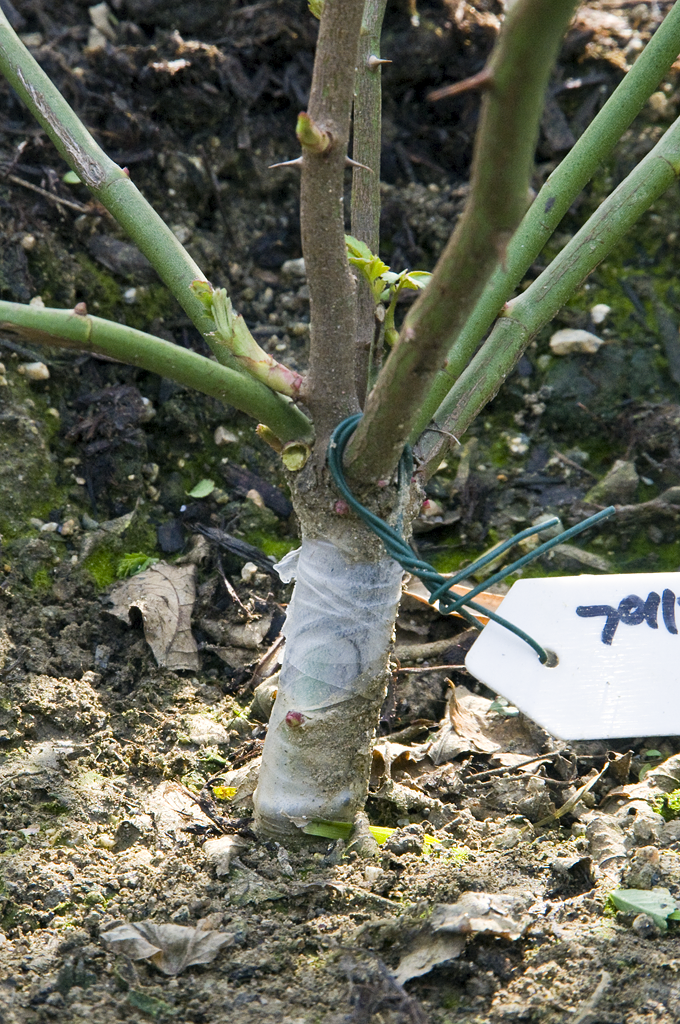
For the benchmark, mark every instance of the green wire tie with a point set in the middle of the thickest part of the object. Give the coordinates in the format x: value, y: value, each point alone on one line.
x: 438, y: 585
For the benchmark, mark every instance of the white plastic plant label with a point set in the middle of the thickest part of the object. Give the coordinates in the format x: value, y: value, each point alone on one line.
x: 617, y: 652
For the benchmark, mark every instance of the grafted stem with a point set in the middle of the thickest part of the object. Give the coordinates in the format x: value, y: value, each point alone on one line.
x: 330, y: 390
x: 519, y: 67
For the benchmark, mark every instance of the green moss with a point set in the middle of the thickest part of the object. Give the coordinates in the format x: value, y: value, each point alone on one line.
x: 102, y: 566
x: 668, y: 805
x: 275, y: 547
x: 42, y: 580
x: 153, y: 302
x: 53, y: 807
x: 642, y: 555
x: 98, y: 289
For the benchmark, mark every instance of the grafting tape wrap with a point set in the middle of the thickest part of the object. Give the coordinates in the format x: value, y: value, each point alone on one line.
x: 439, y: 586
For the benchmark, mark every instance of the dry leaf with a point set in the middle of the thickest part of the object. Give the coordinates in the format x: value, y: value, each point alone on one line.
x: 445, y: 933
x: 172, y: 947
x: 465, y: 729
x: 480, y: 912
x: 245, y: 780
x: 417, y: 590
x: 174, y: 808
x: 165, y: 595
x: 428, y: 951
x: 220, y: 852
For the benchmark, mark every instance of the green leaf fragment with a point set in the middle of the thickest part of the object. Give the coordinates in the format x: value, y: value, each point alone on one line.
x: 202, y: 489
x: 657, y: 903
x: 343, y: 830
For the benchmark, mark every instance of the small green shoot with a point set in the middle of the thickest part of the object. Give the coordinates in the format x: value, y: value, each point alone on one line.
x: 71, y: 178
x: 232, y: 338
x: 132, y: 563
x: 385, y: 283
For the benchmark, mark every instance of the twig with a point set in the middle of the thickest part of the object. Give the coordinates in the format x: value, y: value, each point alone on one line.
x: 65, y: 328
x: 511, y: 768
x: 69, y: 203
x: 482, y: 80
x: 431, y: 668
x: 536, y: 306
x: 112, y: 187
x: 590, y: 1003
x: 573, y: 464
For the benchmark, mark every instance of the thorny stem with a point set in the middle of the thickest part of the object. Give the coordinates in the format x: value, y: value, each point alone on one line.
x: 366, y: 133
x: 520, y: 66
x: 330, y: 391
x: 536, y: 306
x: 555, y: 198
x: 66, y: 329
x: 109, y: 183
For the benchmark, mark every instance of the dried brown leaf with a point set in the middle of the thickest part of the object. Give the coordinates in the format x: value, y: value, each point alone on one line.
x: 165, y: 596
x: 172, y: 947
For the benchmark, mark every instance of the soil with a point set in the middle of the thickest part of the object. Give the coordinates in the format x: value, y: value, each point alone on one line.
x: 113, y: 770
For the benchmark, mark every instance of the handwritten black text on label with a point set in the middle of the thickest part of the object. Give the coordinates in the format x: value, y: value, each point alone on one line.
x: 632, y: 611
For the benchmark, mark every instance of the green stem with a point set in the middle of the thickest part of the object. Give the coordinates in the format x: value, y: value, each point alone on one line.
x: 535, y: 307
x: 518, y: 76
x: 104, y: 178
x: 108, y: 182
x: 66, y: 329
x: 555, y: 198
x: 366, y: 183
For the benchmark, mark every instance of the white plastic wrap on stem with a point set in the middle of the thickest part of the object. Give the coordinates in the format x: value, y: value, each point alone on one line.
x: 316, y: 756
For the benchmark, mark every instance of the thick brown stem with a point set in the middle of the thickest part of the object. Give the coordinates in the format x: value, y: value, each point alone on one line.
x: 330, y: 391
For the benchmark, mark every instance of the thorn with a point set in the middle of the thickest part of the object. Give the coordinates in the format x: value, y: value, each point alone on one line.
x: 482, y: 80
x: 353, y: 163
x: 297, y: 162
x: 373, y: 62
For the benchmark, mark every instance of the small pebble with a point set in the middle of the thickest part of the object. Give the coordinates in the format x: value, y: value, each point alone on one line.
x: 564, y: 343
x: 35, y: 371
x: 255, y: 497
x: 600, y: 312
x: 248, y: 572
x: 294, y: 268
x: 223, y: 435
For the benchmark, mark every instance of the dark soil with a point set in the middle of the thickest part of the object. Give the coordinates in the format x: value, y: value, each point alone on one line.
x: 103, y: 754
